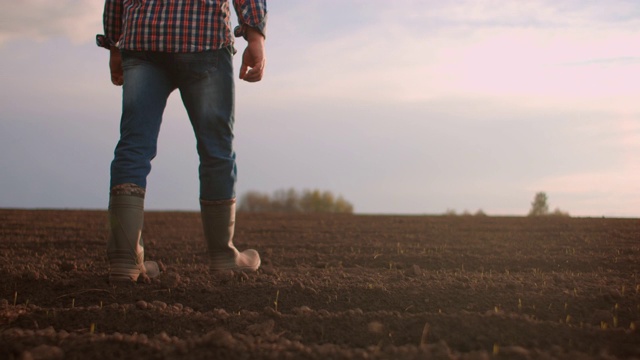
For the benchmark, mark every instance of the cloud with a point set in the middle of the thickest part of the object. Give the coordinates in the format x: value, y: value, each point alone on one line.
x: 534, y: 53
x: 529, y: 14
x: 77, y: 20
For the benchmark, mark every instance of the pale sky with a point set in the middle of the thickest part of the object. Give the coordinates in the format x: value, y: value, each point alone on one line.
x: 403, y: 107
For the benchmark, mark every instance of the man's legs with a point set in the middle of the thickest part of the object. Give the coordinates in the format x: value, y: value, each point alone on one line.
x: 145, y: 92
x: 146, y: 89
x: 206, y: 85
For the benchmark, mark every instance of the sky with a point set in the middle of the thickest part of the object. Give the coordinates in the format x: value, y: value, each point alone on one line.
x: 401, y: 107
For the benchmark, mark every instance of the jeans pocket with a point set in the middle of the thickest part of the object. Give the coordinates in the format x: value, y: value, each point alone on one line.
x: 132, y: 58
x: 198, y: 65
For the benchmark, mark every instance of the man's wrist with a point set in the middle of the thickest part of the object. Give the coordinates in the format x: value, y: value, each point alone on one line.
x: 244, y: 30
x: 253, y: 34
x: 104, y: 42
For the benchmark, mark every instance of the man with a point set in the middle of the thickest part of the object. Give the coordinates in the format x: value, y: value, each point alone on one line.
x: 157, y: 46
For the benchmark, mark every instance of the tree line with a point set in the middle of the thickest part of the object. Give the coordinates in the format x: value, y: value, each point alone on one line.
x: 317, y: 201
x: 292, y: 201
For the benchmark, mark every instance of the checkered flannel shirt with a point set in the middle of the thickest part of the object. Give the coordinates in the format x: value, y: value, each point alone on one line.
x: 178, y: 25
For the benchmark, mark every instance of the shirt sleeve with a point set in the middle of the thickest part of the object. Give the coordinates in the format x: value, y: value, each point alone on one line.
x: 112, y: 21
x: 251, y: 13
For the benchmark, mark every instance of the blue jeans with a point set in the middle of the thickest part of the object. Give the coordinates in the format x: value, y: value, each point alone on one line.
x: 205, y: 81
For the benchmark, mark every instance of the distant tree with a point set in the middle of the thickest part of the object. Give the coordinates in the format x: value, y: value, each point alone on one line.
x: 465, y: 212
x: 311, y: 201
x: 286, y: 201
x: 450, y: 212
x: 254, y: 201
x: 480, y: 212
x: 539, y: 206
x: 343, y: 206
x: 326, y: 202
x: 558, y: 212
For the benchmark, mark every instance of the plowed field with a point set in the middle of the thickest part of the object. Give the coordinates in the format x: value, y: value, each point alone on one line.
x: 331, y: 287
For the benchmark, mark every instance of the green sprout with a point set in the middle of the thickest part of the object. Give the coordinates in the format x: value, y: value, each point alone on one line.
x: 276, y: 300
x: 604, y: 325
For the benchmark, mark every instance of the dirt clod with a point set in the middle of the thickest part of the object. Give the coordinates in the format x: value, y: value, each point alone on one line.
x: 170, y: 280
x: 142, y: 305
x: 44, y: 352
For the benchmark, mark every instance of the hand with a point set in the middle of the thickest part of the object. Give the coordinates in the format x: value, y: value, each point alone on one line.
x: 253, y: 58
x: 115, y: 66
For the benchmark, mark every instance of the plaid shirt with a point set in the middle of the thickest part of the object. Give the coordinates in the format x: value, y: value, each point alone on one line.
x: 177, y: 25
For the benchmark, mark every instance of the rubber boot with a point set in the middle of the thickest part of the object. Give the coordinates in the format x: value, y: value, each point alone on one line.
x: 218, y: 222
x: 125, y: 248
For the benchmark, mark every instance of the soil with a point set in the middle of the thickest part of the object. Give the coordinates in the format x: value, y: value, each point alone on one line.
x: 331, y: 287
